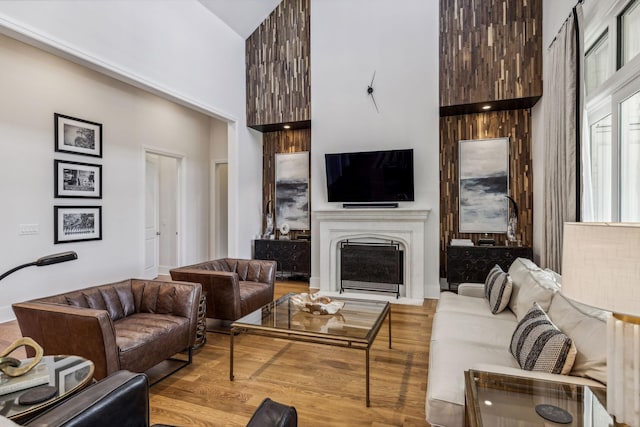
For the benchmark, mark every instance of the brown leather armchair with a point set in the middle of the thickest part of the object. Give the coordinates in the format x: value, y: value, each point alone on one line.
x: 132, y: 325
x: 234, y: 287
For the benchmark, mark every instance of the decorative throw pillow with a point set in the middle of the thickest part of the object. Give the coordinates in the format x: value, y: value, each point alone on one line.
x: 497, y: 289
x: 538, y: 345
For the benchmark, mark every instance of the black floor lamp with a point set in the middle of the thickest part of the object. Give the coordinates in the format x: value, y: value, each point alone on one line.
x: 45, y: 260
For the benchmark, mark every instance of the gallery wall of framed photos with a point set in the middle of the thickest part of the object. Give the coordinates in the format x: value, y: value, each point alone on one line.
x: 74, y: 222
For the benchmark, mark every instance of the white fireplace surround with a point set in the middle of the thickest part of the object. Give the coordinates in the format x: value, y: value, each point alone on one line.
x: 405, y: 226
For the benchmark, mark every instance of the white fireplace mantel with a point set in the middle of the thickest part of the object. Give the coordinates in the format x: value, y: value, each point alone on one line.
x: 405, y: 226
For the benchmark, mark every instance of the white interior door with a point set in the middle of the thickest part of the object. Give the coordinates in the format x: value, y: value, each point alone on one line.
x: 152, y: 217
x: 221, y: 211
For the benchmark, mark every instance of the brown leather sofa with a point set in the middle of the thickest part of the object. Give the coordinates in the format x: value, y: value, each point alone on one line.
x: 234, y: 287
x: 133, y: 324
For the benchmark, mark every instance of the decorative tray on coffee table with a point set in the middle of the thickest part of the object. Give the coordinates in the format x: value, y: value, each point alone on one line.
x: 316, y: 304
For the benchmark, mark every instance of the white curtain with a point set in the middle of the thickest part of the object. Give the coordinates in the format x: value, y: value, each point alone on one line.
x: 563, y: 97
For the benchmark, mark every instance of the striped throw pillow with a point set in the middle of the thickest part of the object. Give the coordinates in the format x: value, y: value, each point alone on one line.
x: 497, y: 289
x: 538, y: 345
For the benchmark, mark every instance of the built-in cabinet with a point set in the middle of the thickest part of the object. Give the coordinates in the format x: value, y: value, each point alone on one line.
x: 293, y: 256
x: 472, y: 263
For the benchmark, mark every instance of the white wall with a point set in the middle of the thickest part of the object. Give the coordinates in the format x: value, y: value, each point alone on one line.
x: 398, y: 39
x: 554, y: 13
x: 34, y: 86
x: 176, y: 48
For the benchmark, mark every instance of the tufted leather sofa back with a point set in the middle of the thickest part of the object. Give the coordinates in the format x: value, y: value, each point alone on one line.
x: 124, y: 298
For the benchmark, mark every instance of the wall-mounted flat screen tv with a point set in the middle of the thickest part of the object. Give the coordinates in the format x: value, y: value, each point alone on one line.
x: 371, y: 176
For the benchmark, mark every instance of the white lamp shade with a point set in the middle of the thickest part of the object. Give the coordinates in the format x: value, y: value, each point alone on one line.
x: 601, y: 265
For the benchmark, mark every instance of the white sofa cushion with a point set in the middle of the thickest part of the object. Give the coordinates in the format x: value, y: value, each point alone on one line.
x: 587, y: 327
x: 534, y: 286
x: 478, y: 306
x: 445, y: 384
x: 538, y: 345
x: 497, y: 289
x: 478, y: 330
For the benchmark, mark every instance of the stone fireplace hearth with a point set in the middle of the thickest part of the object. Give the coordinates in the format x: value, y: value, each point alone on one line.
x: 404, y: 226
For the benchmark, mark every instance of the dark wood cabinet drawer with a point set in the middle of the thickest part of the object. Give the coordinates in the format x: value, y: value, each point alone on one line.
x: 472, y: 263
x: 292, y: 256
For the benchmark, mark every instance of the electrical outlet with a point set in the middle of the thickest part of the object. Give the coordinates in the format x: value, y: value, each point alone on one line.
x: 27, y: 229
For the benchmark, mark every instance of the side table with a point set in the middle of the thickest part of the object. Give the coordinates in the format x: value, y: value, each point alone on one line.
x: 68, y: 374
x: 505, y: 400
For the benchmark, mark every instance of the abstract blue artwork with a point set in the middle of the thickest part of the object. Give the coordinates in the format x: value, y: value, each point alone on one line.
x: 484, y: 185
x: 292, y: 190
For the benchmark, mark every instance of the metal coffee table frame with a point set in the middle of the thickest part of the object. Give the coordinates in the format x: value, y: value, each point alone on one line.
x: 335, y: 340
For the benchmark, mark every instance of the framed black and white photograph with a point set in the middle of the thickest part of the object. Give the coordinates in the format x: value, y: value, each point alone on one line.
x: 73, y: 375
x: 484, y: 185
x: 292, y: 190
x: 77, y: 136
x: 75, y: 179
x: 77, y: 223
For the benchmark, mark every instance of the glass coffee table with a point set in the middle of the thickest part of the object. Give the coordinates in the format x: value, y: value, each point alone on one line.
x: 504, y: 400
x: 355, y: 326
x: 65, y: 374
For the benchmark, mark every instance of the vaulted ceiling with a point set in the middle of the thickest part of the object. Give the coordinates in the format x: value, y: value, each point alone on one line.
x: 243, y: 16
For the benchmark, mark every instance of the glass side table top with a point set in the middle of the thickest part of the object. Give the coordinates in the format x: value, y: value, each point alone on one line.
x: 357, y: 320
x: 503, y: 400
x: 67, y: 374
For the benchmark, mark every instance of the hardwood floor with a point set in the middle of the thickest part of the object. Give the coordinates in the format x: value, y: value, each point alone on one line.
x: 325, y: 384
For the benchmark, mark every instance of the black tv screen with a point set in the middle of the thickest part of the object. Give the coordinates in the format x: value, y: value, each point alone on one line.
x: 372, y: 176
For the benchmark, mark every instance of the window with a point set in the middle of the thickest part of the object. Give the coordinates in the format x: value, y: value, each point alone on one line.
x: 611, y: 153
x: 630, y: 159
x: 629, y: 41
x: 601, y: 157
x: 597, y: 63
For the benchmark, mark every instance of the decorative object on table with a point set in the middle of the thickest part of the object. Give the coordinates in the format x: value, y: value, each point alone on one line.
x: 484, y: 182
x: 77, y: 136
x: 512, y: 227
x: 316, y: 304
x: 486, y: 241
x: 7, y: 364
x: 284, y: 231
x: 77, y: 223
x: 554, y: 413
x: 75, y: 179
x: 600, y: 269
x: 37, y: 376
x: 45, y: 260
x: 268, y: 220
x: 292, y: 189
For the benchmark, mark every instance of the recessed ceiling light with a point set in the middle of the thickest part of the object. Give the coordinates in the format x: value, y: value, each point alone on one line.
x: 488, y: 402
x: 287, y: 126
x: 486, y: 107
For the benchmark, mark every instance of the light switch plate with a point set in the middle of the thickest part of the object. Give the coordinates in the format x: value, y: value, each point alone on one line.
x: 27, y: 229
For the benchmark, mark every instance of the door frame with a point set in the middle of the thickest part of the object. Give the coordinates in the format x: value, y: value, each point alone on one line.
x: 180, y: 200
x: 213, y: 208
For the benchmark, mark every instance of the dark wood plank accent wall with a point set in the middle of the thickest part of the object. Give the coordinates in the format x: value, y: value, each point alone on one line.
x: 286, y: 141
x: 277, y: 58
x: 515, y: 124
x: 490, y: 50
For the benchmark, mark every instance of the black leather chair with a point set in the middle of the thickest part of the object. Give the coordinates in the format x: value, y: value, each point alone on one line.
x: 122, y: 400
x: 274, y: 414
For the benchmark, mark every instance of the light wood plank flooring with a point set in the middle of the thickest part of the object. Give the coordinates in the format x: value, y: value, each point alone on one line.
x: 325, y: 384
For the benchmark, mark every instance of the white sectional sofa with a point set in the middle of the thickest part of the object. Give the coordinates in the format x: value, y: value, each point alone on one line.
x: 466, y: 335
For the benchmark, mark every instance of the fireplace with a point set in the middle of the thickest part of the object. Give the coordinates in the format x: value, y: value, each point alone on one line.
x: 402, y: 226
x: 371, y: 266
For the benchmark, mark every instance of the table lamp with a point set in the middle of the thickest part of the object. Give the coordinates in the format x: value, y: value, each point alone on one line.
x: 601, y: 268
x: 45, y: 260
